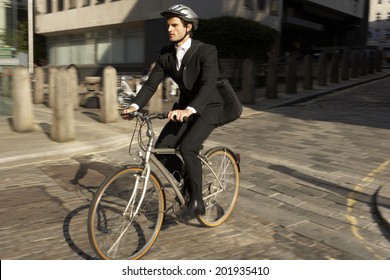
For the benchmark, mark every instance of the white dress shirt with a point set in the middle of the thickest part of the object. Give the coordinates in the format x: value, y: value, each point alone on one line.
x: 180, y: 52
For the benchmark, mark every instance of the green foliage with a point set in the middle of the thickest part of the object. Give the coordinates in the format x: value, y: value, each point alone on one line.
x: 22, y: 36
x: 236, y: 37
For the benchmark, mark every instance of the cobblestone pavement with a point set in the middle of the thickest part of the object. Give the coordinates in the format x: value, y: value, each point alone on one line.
x: 309, y: 175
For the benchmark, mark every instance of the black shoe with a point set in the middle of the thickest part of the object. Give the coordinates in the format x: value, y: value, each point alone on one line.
x: 195, y: 207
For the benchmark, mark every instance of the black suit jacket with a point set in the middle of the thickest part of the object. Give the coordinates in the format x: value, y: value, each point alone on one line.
x: 196, y: 78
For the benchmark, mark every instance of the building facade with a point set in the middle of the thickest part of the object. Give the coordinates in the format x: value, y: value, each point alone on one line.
x: 128, y: 34
x: 318, y: 24
x: 379, y: 27
x: 125, y: 33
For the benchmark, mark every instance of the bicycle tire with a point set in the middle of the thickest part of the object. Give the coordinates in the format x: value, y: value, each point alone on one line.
x: 115, y: 233
x: 219, y: 203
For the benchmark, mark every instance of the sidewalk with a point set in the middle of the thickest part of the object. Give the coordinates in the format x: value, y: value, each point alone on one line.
x: 92, y: 135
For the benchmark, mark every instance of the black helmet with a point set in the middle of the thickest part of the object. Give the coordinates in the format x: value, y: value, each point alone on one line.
x: 183, y: 12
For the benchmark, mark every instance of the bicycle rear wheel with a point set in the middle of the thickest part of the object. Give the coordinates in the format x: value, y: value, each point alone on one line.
x: 115, y: 230
x: 220, y: 191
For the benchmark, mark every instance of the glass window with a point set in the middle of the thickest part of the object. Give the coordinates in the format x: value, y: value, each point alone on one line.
x: 135, y: 48
x: 82, y: 51
x: 62, y: 51
x: 261, y: 5
x: 48, y: 6
x: 60, y: 5
x: 103, y: 50
x: 118, y: 49
x: 86, y: 3
x: 274, y: 8
x: 248, y: 4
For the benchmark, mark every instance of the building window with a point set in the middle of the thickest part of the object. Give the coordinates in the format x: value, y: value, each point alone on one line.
x: 100, y: 1
x: 60, y: 5
x: 378, y: 16
x: 388, y: 16
x: 274, y: 8
x: 248, y: 4
x: 102, y: 47
x: 261, y: 5
x: 86, y: 3
x: 379, y: 1
x: 48, y: 6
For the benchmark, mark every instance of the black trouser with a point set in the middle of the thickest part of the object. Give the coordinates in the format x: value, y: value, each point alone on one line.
x: 189, y: 137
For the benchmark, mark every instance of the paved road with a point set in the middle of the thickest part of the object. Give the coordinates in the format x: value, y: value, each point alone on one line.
x: 309, y: 173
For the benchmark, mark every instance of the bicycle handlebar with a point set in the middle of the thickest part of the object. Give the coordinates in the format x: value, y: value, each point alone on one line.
x: 163, y: 115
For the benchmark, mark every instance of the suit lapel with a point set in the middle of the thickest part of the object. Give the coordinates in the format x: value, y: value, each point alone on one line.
x: 194, y: 47
x: 172, y: 58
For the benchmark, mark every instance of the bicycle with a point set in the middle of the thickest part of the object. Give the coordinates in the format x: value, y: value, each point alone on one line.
x: 128, y: 209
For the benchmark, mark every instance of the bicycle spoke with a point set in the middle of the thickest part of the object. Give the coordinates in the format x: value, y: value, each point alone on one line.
x: 220, y: 186
x: 116, y: 231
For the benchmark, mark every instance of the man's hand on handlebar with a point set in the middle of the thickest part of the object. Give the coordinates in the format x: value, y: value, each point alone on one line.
x: 179, y: 115
x: 125, y: 113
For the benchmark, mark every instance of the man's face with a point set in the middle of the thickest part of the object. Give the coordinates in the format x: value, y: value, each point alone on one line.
x: 176, y: 29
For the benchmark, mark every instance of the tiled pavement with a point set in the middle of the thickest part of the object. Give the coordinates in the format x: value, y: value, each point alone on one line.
x: 310, y: 176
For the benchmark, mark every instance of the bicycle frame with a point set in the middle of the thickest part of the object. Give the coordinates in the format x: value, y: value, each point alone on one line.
x: 150, y: 156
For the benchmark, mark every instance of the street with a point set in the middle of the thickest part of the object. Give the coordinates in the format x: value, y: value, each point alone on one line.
x: 309, y: 172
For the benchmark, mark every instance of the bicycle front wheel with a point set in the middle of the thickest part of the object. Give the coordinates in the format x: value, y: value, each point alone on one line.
x: 221, y: 182
x: 116, y: 229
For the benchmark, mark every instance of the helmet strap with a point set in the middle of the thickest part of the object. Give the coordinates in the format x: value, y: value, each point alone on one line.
x: 185, y: 35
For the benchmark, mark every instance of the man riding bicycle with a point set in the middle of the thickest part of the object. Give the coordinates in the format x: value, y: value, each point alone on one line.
x: 193, y: 65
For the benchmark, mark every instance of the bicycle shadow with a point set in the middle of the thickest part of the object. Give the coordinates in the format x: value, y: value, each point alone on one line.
x: 70, y: 238
x: 85, y: 181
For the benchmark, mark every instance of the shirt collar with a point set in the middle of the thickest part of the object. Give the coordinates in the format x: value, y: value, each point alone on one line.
x: 186, y: 45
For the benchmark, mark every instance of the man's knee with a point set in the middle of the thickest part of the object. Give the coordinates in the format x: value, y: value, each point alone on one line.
x: 186, y: 149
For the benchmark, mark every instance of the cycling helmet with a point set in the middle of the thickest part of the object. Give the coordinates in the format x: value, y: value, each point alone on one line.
x: 183, y: 12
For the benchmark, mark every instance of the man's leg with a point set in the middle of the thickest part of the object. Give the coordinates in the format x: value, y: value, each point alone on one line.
x: 169, y: 138
x: 190, y: 146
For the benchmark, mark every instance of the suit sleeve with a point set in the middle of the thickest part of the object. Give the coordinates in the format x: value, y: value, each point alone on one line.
x: 208, y: 80
x: 150, y: 86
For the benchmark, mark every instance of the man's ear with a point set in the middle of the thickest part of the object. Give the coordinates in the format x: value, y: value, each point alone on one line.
x: 189, y: 26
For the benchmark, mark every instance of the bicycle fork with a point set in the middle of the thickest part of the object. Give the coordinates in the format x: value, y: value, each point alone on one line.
x: 129, y: 213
